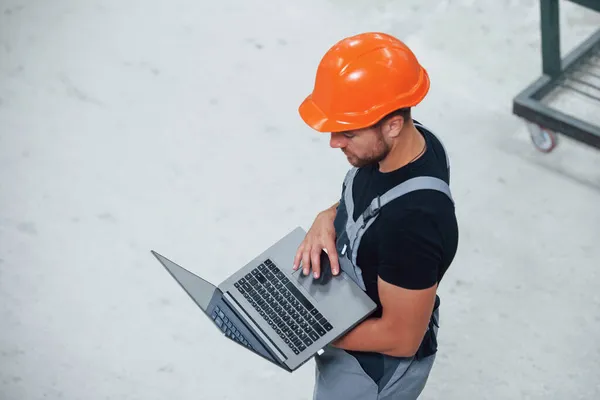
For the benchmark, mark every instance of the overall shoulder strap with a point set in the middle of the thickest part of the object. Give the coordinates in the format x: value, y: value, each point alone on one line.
x: 411, y: 185
x: 357, y: 229
x: 347, y: 195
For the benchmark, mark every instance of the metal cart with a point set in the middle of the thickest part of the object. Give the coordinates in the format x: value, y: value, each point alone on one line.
x: 578, y: 73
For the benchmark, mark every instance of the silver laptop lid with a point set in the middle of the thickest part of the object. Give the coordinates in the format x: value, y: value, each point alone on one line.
x: 200, y: 290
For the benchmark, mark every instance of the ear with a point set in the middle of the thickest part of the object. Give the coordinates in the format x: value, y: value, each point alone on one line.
x: 393, y: 126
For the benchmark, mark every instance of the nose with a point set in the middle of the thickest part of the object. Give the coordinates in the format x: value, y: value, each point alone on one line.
x: 337, y: 140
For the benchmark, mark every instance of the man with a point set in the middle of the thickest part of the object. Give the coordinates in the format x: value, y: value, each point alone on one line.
x: 394, y: 230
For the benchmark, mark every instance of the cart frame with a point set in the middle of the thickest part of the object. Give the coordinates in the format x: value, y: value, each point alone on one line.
x: 542, y: 119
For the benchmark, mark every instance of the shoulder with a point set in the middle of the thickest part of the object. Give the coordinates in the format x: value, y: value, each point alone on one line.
x: 416, y: 222
x: 410, y: 249
x: 396, y: 221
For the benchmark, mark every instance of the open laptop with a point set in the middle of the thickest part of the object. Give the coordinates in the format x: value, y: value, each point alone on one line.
x: 274, y: 311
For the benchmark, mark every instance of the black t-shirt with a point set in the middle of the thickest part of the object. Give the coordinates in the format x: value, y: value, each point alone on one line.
x: 414, y: 239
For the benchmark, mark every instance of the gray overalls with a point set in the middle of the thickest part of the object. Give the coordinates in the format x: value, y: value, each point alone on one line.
x: 339, y: 374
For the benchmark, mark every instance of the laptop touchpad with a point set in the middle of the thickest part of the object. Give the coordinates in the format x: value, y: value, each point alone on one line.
x: 317, y: 290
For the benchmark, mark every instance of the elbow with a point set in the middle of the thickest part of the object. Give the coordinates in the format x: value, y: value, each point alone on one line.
x: 402, y: 352
x: 406, y: 349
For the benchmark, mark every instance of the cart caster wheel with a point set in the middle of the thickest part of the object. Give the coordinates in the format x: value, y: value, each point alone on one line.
x: 543, y: 139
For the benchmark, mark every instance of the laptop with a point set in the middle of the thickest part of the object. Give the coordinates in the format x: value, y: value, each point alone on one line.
x: 278, y: 313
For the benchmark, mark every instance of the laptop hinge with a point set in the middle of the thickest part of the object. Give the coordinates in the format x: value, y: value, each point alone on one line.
x: 234, y: 304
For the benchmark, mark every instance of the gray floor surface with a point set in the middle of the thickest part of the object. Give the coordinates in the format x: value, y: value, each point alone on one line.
x: 127, y: 126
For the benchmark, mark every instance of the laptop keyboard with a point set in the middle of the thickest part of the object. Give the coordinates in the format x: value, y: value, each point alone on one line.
x: 295, y: 319
x: 228, y: 328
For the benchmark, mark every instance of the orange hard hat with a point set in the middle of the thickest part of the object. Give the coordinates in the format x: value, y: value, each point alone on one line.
x: 360, y: 80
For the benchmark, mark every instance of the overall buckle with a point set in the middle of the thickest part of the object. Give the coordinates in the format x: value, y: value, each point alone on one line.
x: 372, y: 210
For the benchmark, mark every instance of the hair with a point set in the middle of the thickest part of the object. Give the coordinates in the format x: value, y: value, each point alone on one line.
x: 402, y: 112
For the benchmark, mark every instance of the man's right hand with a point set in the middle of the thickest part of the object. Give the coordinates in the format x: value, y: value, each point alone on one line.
x: 321, y: 235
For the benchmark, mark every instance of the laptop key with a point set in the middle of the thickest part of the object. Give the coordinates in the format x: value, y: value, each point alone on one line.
x: 270, y: 276
x: 313, y: 335
x: 319, y: 330
x: 307, y: 341
x: 299, y: 296
x: 317, y: 327
x: 301, y: 347
x: 261, y: 278
x: 279, y: 274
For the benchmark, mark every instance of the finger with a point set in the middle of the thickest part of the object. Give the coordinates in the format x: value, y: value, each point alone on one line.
x: 333, y: 258
x: 298, y: 256
x: 316, y: 261
x: 306, y: 262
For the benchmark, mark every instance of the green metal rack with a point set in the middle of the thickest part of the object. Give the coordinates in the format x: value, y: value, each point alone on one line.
x: 578, y: 72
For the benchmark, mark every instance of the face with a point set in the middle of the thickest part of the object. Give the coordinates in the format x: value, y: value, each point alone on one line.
x: 361, y: 147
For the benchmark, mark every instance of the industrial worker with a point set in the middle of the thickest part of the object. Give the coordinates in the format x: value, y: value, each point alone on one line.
x: 394, y: 229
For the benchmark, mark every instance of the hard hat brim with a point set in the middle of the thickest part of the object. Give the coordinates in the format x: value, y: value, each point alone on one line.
x: 314, y: 117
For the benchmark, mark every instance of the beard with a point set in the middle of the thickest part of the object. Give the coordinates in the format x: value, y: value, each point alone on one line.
x: 379, y: 152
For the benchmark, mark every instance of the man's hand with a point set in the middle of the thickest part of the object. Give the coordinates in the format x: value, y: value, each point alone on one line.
x: 321, y: 235
x: 402, y: 325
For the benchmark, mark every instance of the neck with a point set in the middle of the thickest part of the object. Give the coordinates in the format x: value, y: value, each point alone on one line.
x: 406, y: 148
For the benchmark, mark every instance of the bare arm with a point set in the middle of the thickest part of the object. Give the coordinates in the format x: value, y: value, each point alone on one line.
x: 321, y: 235
x: 332, y: 209
x: 401, y: 327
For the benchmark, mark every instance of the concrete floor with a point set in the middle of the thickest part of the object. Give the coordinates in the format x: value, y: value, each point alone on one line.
x: 127, y: 126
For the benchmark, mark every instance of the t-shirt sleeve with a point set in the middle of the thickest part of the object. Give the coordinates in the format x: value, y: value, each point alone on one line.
x: 410, y: 252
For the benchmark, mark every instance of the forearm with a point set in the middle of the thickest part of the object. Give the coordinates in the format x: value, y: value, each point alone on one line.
x: 334, y: 207
x: 376, y: 336
x: 331, y: 211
